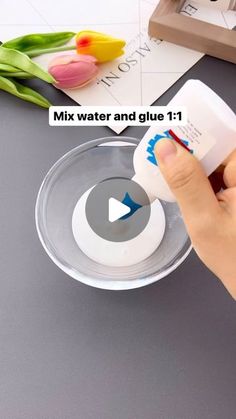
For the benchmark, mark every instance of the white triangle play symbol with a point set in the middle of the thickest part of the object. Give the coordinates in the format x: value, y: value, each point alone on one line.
x: 116, y: 210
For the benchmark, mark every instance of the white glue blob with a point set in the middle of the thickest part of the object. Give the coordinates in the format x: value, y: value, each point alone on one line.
x: 118, y: 254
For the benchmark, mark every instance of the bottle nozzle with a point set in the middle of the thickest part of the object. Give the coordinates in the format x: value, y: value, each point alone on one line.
x: 138, y: 180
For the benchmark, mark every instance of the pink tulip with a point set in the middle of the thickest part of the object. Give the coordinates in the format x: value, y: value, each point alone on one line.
x: 73, y: 70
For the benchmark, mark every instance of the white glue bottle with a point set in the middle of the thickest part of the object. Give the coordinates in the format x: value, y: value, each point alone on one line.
x: 210, y: 135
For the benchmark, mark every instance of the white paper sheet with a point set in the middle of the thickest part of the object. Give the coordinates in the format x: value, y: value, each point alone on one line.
x: 224, y: 18
x: 218, y: 4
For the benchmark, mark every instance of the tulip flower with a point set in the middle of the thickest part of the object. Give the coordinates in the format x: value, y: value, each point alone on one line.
x: 73, y: 70
x: 102, y: 47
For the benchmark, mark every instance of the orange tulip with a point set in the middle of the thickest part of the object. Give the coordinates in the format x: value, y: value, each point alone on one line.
x: 102, y: 47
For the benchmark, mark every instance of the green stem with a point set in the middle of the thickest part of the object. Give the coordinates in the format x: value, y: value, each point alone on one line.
x: 37, y: 52
x: 17, y: 74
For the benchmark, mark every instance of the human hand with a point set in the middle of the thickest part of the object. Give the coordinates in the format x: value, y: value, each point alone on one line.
x: 209, y: 218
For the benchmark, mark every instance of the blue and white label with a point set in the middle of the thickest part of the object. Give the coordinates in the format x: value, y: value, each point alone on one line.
x: 153, y: 141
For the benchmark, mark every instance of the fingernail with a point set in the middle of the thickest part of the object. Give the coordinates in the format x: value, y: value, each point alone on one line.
x: 165, y: 151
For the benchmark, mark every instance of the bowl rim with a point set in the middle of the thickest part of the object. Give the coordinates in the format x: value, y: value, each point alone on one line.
x: 105, y: 284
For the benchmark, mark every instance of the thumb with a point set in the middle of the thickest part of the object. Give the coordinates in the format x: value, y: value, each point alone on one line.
x: 187, y: 180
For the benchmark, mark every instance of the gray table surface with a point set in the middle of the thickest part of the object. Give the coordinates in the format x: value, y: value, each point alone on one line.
x: 68, y: 351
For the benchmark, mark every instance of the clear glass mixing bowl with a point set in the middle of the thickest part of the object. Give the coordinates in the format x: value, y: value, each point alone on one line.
x: 73, y: 174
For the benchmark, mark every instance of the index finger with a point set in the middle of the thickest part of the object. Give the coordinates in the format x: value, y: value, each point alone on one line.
x: 230, y: 170
x: 230, y: 158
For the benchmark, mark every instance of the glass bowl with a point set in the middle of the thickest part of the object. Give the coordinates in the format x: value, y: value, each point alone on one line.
x: 72, y: 175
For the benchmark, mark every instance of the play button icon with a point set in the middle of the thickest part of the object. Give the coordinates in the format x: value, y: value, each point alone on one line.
x: 117, y: 209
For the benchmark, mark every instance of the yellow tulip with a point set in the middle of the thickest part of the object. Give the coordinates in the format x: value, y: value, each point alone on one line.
x: 102, y: 47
